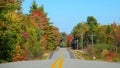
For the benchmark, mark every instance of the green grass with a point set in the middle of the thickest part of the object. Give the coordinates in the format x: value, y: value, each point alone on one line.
x: 102, y: 46
x: 3, y: 61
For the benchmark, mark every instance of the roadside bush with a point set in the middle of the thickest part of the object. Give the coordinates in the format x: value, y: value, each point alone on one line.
x: 116, y: 59
x: 63, y: 44
x: 7, y: 45
x: 102, y: 46
x: 110, y: 56
x: 104, y: 53
x: 3, y: 61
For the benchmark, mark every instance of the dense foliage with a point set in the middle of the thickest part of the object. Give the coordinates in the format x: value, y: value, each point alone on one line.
x: 63, y: 39
x: 98, y: 38
x: 25, y: 36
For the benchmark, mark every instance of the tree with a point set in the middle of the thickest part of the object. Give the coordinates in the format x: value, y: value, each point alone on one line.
x: 109, y: 31
x: 33, y: 7
x: 80, y: 28
x: 69, y: 39
x: 92, y: 22
x: 25, y: 36
x: 79, y: 32
x: 115, y: 35
x: 10, y: 27
x: 63, y: 39
x: 50, y: 35
x: 100, y: 34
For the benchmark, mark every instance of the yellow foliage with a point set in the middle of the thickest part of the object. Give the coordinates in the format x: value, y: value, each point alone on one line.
x: 26, y: 46
x: 33, y: 22
x: 105, y: 52
x: 14, y: 17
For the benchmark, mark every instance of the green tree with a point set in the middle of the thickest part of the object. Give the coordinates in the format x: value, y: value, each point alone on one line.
x: 63, y: 39
x: 80, y: 28
x: 93, y: 24
x: 101, y: 36
x: 79, y: 31
x: 109, y: 31
x: 33, y: 7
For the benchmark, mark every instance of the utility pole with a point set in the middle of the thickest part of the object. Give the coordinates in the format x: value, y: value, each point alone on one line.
x: 77, y: 44
x: 92, y: 46
x: 82, y: 40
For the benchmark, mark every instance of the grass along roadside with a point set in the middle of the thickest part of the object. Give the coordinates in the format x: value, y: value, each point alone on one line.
x: 87, y: 55
x: 78, y: 55
x: 43, y: 57
x: 46, y: 55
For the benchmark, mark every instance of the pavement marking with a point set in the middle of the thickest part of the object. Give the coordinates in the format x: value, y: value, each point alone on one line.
x: 61, y: 53
x: 60, y: 60
x: 61, y: 63
x: 55, y: 63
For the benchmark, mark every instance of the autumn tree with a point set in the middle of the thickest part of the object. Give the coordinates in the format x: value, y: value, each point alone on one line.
x: 50, y: 34
x: 93, y: 24
x: 109, y: 31
x: 69, y: 39
x: 63, y: 39
x: 115, y: 35
x: 52, y: 37
x: 79, y: 32
x: 10, y: 23
x: 24, y: 36
x: 80, y: 28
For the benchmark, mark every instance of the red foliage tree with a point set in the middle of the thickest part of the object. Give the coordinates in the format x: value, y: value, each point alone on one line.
x: 69, y: 39
x: 116, y: 33
x: 39, y: 19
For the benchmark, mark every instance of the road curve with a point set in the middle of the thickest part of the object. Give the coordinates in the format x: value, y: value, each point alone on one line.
x: 60, y: 59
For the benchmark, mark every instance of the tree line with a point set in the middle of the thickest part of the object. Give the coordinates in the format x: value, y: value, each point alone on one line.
x: 25, y: 36
x: 101, y: 33
x: 105, y: 39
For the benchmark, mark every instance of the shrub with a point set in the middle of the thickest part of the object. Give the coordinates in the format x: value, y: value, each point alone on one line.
x: 7, y: 40
x: 116, y: 59
x: 63, y: 44
x: 3, y: 61
x: 110, y: 56
x: 102, y: 46
x: 104, y: 52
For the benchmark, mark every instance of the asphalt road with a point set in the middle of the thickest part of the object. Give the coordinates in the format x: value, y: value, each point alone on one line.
x: 60, y: 59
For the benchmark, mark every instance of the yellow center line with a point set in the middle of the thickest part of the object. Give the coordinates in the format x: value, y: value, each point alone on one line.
x: 55, y: 63
x: 60, y: 60
x: 61, y: 63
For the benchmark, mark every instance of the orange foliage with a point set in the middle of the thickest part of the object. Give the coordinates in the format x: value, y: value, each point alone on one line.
x: 20, y: 54
x: 116, y: 33
x: 44, y: 42
x: 69, y: 39
x: 56, y: 35
x: 38, y: 18
x: 110, y: 56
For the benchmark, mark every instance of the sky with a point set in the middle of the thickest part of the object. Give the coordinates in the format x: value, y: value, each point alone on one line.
x: 65, y: 14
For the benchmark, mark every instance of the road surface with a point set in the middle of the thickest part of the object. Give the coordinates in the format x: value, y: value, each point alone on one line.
x: 60, y: 59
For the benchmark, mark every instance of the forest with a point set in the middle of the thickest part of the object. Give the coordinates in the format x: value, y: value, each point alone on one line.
x: 25, y: 36
x: 101, y: 41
